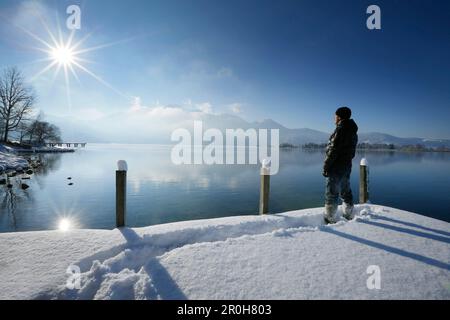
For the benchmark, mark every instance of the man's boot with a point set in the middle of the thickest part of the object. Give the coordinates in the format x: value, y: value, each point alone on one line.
x: 330, y: 213
x: 348, y: 210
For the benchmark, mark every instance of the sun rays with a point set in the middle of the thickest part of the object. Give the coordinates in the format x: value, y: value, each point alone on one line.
x: 63, y: 55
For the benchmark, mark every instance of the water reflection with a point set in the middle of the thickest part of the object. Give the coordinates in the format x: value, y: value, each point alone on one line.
x: 50, y: 162
x: 159, y: 191
x: 19, y: 190
x: 64, y: 225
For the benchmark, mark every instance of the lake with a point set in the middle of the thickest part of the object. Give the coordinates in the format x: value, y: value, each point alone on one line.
x: 160, y: 192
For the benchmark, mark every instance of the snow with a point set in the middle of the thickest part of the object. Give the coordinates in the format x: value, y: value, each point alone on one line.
x: 265, y: 167
x: 122, y: 165
x: 9, y: 162
x: 16, y: 149
x: 364, y: 162
x: 266, y: 163
x: 5, y: 149
x: 291, y: 255
x: 52, y: 149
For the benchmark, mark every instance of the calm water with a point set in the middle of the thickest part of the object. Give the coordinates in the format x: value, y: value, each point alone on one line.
x: 160, y: 192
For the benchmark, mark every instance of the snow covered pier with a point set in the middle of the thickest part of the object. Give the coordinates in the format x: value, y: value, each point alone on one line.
x: 66, y: 144
x: 384, y: 253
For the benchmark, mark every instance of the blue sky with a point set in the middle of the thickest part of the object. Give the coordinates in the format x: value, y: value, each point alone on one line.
x: 291, y: 61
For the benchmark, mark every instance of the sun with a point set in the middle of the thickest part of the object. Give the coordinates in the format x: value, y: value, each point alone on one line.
x: 64, y: 56
x: 64, y: 225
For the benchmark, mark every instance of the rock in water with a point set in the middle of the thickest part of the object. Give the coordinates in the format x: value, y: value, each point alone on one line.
x: 71, y: 184
x: 24, y: 186
x: 69, y: 178
x: 2, y: 181
x: 9, y: 186
x: 29, y: 172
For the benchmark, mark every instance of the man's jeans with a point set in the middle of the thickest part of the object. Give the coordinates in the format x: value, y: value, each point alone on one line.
x: 338, y: 184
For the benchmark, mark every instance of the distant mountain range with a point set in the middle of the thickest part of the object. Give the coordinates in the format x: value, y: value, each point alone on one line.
x: 91, y: 132
x: 304, y: 135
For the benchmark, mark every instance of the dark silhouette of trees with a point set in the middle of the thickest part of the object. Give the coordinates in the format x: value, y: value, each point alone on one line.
x: 16, y: 106
x: 42, y: 131
x: 16, y: 100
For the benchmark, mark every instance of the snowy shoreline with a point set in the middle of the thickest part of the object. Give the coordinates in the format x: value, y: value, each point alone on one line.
x: 285, y: 256
x: 11, y: 162
x: 11, y: 159
x: 22, y: 150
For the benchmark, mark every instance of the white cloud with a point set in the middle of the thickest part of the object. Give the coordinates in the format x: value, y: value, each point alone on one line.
x: 187, y: 102
x: 139, y: 122
x: 158, y: 110
x: 28, y: 13
x: 235, y: 108
x: 165, y: 112
x: 205, y: 107
x: 136, y: 105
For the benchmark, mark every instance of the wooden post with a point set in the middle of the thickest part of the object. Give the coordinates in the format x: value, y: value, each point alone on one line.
x: 363, y: 181
x: 121, y: 193
x: 264, y: 189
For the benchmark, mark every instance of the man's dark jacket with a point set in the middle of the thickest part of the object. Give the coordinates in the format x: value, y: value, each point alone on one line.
x: 341, y: 148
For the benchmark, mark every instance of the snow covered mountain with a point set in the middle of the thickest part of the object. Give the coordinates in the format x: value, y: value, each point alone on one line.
x: 382, y: 138
x: 120, y: 129
x: 302, y: 136
x: 293, y: 136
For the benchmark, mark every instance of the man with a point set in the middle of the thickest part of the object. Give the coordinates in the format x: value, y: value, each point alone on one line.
x: 338, y: 165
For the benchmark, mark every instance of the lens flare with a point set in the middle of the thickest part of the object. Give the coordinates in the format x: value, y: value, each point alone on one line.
x: 64, y: 225
x: 63, y: 56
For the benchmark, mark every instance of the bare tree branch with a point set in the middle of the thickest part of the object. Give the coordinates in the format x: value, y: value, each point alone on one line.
x: 16, y: 100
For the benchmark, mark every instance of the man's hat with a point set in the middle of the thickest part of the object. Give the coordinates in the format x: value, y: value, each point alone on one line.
x: 344, y: 113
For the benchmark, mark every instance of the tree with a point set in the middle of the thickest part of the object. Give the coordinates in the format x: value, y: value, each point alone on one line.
x: 2, y: 128
x: 16, y: 100
x: 22, y: 130
x: 32, y: 127
x: 42, y: 131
